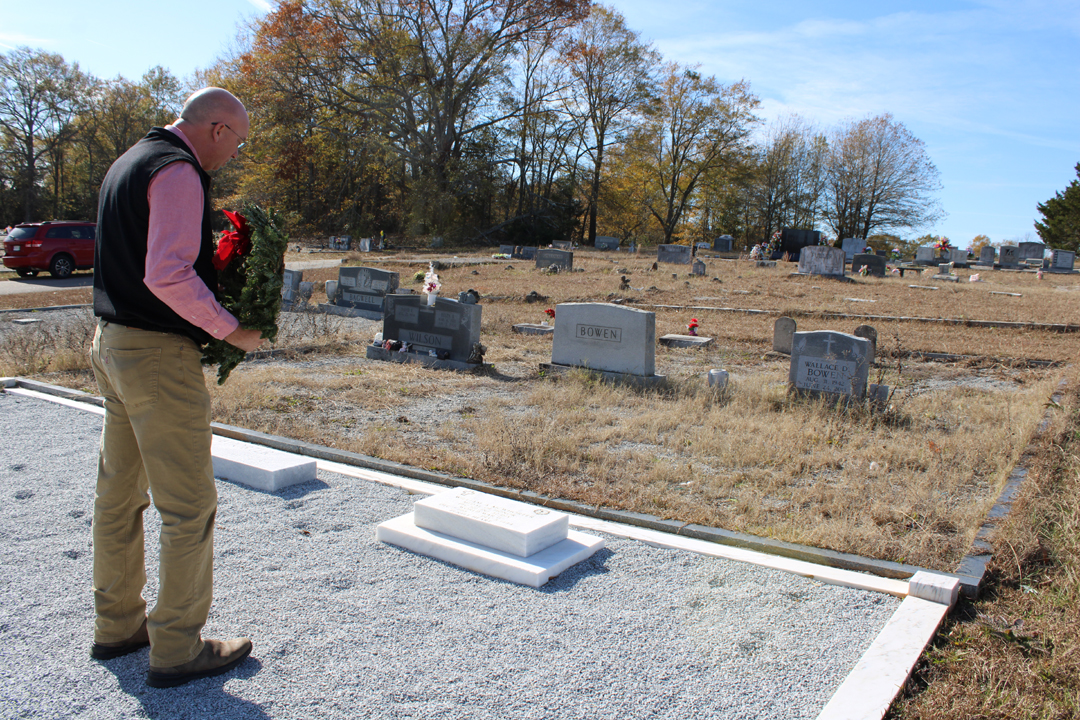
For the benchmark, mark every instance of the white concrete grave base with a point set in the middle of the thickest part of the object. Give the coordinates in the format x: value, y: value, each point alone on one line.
x: 533, y: 571
x: 498, y: 523
x: 258, y: 466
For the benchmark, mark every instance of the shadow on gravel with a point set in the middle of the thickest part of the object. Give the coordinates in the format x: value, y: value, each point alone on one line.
x: 198, y: 700
x: 586, y: 568
x: 292, y: 492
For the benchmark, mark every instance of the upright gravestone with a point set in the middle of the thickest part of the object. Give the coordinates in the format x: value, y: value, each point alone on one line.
x: 523, y: 252
x: 606, y: 242
x: 958, y: 257
x: 698, y: 268
x: 852, y: 247
x: 874, y: 263
x: 562, y: 259
x: 724, y: 243
x: 988, y: 255
x: 821, y: 260
x: 782, y: 335
x: 365, y: 244
x: 506, y: 249
x: 446, y: 330
x: 562, y: 244
x: 868, y: 332
x: 362, y: 290
x: 1062, y: 260
x: 677, y: 254
x: 926, y: 255
x: 1031, y: 251
x: 290, y: 286
x: 607, y: 338
x: 828, y: 363
x: 1008, y: 256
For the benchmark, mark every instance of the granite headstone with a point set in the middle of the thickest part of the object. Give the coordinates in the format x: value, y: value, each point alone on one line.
x: 830, y: 363
x: 676, y: 254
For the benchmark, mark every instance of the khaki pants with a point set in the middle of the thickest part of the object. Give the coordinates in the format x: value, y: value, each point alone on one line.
x: 156, y: 437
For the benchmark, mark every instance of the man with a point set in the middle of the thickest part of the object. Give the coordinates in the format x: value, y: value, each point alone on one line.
x: 154, y: 284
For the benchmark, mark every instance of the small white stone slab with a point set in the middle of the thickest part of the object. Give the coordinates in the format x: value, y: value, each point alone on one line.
x: 933, y: 587
x: 498, y: 523
x: 259, y: 467
x: 533, y: 571
x: 685, y: 341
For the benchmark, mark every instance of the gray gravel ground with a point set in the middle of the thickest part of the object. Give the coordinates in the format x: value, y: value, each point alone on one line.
x: 346, y: 627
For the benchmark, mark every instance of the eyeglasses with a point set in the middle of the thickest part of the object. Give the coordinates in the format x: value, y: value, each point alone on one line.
x: 243, y: 141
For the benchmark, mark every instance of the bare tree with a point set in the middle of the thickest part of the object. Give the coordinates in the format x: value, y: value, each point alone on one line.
x: 879, y: 178
x: 693, y: 125
x: 612, y: 70
x: 39, y: 97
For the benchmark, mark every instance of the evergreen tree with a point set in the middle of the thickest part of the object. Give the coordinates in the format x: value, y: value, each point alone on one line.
x: 1061, y: 218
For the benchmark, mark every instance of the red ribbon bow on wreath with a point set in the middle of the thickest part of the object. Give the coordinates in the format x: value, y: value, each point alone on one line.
x: 233, y: 244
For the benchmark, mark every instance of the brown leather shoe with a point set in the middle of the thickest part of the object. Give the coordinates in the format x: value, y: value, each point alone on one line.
x: 217, y: 657
x: 108, y: 651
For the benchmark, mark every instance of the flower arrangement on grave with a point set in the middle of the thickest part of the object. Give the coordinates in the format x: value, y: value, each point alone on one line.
x: 942, y: 244
x: 550, y: 313
x: 250, y: 263
x: 431, y: 281
x: 772, y: 246
x: 894, y: 254
x: 692, y: 327
x: 864, y: 270
x: 755, y: 252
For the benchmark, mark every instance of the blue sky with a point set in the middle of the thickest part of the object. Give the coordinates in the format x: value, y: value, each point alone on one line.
x: 991, y: 86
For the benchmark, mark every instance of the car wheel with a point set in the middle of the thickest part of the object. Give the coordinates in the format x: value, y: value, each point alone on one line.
x: 62, y: 266
x: 26, y: 272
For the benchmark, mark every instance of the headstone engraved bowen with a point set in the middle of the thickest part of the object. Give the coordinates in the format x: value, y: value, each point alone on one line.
x: 491, y: 535
x: 821, y: 260
x: 606, y: 242
x: 363, y: 290
x: 1062, y: 260
x: 563, y: 259
x: 605, y: 337
x: 1008, y: 256
x: 926, y: 255
x: 988, y: 255
x: 677, y: 254
x: 852, y: 247
x: 830, y: 363
x: 783, y: 333
x: 875, y: 263
x: 448, y: 328
x: 724, y: 243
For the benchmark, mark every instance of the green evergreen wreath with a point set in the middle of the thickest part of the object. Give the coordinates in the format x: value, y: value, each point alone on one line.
x: 251, y: 263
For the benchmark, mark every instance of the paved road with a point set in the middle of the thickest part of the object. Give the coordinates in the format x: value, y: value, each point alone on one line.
x: 45, y: 283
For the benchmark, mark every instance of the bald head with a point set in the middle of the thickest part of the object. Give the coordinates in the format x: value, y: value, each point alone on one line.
x: 212, y: 104
x: 216, y: 123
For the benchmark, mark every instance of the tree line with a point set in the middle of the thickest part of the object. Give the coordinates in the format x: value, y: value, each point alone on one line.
x: 482, y: 121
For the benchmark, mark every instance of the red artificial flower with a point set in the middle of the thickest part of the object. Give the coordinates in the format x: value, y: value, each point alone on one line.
x: 550, y: 313
x: 233, y: 244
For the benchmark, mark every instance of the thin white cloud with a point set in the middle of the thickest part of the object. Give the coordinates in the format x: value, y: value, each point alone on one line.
x: 262, y: 5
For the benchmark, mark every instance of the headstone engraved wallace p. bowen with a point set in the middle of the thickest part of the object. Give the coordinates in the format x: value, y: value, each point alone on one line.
x: 830, y: 363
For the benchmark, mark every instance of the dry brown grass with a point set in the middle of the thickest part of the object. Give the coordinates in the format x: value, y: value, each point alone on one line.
x: 1015, y: 653
x: 752, y: 459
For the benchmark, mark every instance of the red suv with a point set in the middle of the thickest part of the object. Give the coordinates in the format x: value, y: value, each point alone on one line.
x: 59, y: 246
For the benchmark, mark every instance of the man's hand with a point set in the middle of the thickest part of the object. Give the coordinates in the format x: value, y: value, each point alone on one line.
x: 246, y: 340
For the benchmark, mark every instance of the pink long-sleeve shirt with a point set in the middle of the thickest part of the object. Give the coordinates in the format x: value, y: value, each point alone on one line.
x: 173, y: 242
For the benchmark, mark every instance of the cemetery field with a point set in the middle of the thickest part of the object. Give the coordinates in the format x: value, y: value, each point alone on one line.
x: 910, y: 483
